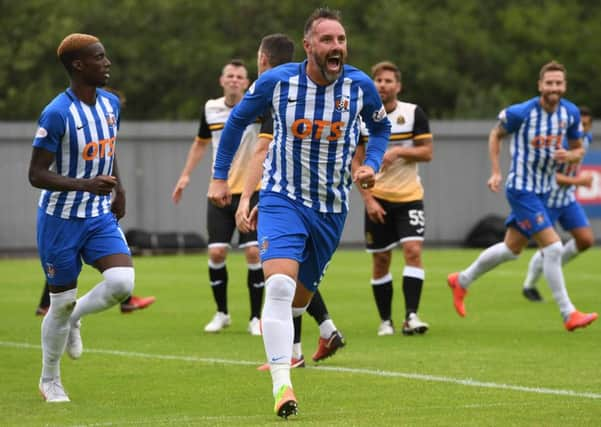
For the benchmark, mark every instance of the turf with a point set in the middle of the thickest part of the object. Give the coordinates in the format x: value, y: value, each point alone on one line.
x: 509, y: 362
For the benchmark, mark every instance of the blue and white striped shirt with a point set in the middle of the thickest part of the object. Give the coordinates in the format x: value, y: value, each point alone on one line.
x: 537, y: 134
x: 564, y: 195
x: 316, y: 130
x: 83, y: 139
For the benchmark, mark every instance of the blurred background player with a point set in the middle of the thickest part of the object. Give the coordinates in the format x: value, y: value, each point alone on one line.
x: 538, y: 127
x: 274, y: 50
x: 565, y: 209
x: 394, y: 207
x: 74, y: 162
x: 133, y: 302
x: 221, y: 221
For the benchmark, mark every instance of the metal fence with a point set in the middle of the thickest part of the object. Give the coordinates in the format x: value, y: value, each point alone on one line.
x: 152, y: 154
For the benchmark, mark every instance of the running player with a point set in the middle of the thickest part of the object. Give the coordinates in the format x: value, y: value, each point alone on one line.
x: 274, y: 50
x: 316, y: 107
x: 538, y: 127
x: 74, y: 163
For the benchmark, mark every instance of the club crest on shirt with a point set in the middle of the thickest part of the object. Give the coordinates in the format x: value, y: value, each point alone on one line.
x: 400, y: 120
x: 110, y: 119
x: 342, y: 102
x: 50, y: 270
x: 379, y: 115
x: 41, y: 133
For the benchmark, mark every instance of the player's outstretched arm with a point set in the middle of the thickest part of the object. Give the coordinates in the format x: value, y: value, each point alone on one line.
x: 195, y: 155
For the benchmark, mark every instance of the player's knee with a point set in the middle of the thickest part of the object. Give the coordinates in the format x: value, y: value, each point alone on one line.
x: 552, y: 252
x: 63, y: 306
x: 381, y: 262
x: 120, y: 280
x: 585, y: 242
x: 413, y: 257
x: 218, y: 254
x: 280, y: 287
x: 252, y: 255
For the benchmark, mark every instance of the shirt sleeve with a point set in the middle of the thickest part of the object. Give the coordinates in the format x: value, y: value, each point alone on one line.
x: 575, y: 128
x: 511, y: 119
x: 51, y: 129
x: 374, y: 116
x: 266, y: 124
x: 255, y: 102
x: 203, y: 129
x: 421, y: 126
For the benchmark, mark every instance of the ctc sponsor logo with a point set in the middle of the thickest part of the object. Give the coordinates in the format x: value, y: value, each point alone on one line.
x: 547, y: 141
x: 101, y: 149
x: 305, y: 128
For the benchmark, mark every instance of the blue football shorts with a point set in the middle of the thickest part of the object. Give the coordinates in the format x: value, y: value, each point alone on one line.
x: 63, y: 243
x: 529, y: 213
x: 569, y: 217
x: 287, y: 229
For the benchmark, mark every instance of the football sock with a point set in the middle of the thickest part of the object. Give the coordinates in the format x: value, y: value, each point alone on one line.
x: 317, y: 308
x: 117, y: 285
x: 218, y: 281
x: 535, y: 269
x: 554, y: 275
x: 570, y: 250
x: 488, y: 259
x: 45, y: 298
x: 298, y: 327
x: 382, y: 289
x: 55, y: 330
x: 297, y: 351
x: 278, y: 329
x: 326, y: 328
x: 413, y: 281
x: 256, y: 285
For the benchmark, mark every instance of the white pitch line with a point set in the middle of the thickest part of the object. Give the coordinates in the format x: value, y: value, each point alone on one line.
x: 364, y: 371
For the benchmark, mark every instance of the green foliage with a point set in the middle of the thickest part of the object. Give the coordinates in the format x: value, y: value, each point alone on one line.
x: 460, y: 58
x: 157, y: 368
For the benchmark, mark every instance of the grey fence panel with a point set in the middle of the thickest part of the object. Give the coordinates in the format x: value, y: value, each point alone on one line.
x: 152, y: 154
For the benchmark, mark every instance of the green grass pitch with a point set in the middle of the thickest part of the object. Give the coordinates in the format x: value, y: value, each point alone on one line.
x: 508, y: 363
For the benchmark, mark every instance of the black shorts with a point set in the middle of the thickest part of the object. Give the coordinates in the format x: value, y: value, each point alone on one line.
x: 221, y: 223
x: 404, y: 221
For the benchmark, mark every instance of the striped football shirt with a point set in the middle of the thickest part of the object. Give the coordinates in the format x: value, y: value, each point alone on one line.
x: 536, y: 135
x: 315, y: 133
x: 83, y: 139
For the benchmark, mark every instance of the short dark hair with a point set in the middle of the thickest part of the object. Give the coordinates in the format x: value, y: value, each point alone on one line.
x: 585, y: 111
x: 386, y: 66
x: 278, y: 48
x: 235, y: 63
x: 552, y: 66
x: 321, y: 13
